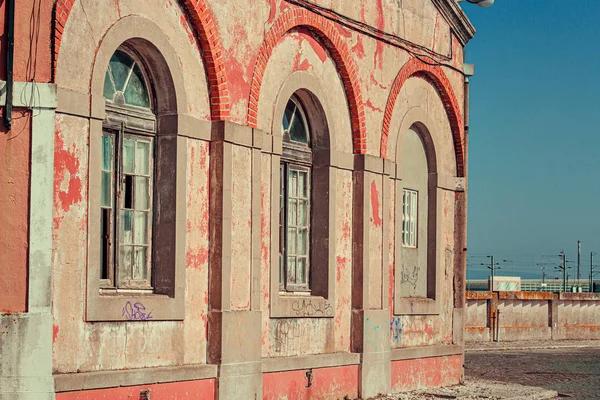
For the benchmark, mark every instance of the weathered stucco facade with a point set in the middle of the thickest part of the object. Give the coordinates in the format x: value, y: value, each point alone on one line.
x: 382, y: 87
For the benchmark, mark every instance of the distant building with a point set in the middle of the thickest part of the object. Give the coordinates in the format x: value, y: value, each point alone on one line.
x: 205, y: 198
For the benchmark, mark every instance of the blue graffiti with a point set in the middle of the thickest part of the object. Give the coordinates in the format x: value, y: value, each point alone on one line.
x: 396, y: 328
x: 136, y: 312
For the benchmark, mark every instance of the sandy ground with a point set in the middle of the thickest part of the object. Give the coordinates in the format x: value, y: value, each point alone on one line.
x: 523, y: 370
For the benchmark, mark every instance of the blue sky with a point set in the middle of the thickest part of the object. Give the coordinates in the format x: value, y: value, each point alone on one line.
x: 534, y: 157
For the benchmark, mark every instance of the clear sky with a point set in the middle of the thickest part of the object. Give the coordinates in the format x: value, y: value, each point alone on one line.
x: 534, y: 157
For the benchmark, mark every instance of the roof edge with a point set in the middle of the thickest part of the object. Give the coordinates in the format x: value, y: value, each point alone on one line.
x: 458, y: 20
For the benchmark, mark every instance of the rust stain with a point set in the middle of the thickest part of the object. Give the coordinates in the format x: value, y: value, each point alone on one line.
x: 471, y: 295
x: 375, y: 204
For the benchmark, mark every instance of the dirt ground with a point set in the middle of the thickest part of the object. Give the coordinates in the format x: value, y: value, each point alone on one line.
x: 572, y: 372
x: 523, y: 370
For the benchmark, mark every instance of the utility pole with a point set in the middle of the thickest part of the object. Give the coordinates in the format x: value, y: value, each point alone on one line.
x: 591, y: 290
x: 564, y: 268
x: 492, y: 268
x: 578, y: 261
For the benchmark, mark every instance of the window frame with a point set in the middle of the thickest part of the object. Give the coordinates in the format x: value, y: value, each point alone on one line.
x: 320, y: 301
x: 167, y: 301
x: 130, y: 122
x: 296, y: 156
x: 410, y: 218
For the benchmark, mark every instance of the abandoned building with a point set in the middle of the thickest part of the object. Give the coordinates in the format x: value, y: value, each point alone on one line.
x: 232, y: 199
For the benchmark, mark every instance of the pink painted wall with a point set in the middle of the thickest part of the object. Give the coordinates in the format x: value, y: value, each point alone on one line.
x: 14, y: 217
x: 426, y: 372
x: 201, y: 390
x: 327, y: 383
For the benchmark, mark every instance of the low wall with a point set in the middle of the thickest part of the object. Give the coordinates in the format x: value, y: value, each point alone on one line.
x: 514, y: 316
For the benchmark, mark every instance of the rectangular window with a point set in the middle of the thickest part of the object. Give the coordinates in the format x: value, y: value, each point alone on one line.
x: 409, y: 218
x: 294, y: 228
x: 126, y: 215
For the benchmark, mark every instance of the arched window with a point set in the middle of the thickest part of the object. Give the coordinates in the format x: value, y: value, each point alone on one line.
x: 295, y: 200
x: 416, y: 243
x: 127, y: 178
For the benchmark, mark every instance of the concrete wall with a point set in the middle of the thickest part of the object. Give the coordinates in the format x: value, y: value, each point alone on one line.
x: 532, y: 316
x: 227, y: 332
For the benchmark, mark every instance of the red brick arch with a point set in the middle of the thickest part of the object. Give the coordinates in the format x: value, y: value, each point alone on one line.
x: 436, y: 76
x: 326, y: 32
x: 209, y: 42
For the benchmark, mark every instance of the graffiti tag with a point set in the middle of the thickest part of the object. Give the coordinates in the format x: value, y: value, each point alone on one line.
x: 136, y: 312
x: 410, y: 278
x: 306, y: 308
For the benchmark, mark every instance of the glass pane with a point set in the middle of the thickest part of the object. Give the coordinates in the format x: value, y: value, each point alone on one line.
x: 291, y: 241
x: 119, y: 66
x: 125, y: 263
x: 106, y: 190
x: 301, y: 270
x: 142, y: 201
x: 302, y: 184
x: 302, y: 213
x: 139, y: 267
x: 136, y: 92
x: 141, y: 228
x: 293, y: 183
x: 142, y: 158
x: 107, y: 153
x: 126, y: 233
x: 128, y: 156
x: 292, y: 212
x: 109, y: 90
x: 291, y: 270
x: 298, y: 129
x: 302, y: 242
x: 288, y: 114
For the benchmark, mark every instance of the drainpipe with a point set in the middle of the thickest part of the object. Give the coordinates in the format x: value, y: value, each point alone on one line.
x: 10, y: 44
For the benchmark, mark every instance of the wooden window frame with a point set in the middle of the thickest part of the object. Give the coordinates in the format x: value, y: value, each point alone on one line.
x: 295, y: 156
x: 410, y: 218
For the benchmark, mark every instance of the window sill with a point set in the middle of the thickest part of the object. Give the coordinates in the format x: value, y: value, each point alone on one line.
x: 291, y: 305
x: 416, y: 306
x: 134, y: 307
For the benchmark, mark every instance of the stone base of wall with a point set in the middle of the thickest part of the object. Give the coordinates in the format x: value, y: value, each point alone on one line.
x: 200, y: 389
x: 426, y: 372
x: 326, y: 383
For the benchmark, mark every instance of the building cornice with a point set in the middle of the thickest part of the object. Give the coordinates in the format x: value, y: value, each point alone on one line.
x: 458, y: 20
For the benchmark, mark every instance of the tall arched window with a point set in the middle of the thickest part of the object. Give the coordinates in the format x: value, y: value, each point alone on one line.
x: 127, y: 179
x: 416, y: 246
x: 295, y: 200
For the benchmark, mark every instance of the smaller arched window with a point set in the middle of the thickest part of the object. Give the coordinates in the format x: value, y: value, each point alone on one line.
x: 295, y: 200
x: 127, y: 181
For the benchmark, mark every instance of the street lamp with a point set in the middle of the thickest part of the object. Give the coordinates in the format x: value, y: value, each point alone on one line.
x: 480, y: 3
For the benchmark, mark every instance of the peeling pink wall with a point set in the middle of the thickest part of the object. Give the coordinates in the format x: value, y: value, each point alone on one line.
x: 14, y: 218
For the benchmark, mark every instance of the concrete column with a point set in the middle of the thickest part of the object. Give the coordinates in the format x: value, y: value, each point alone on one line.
x: 370, y: 313
x: 26, y: 338
x: 553, y: 318
x: 234, y: 330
